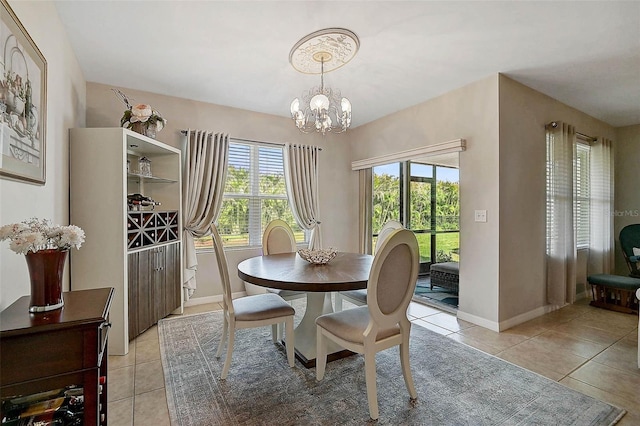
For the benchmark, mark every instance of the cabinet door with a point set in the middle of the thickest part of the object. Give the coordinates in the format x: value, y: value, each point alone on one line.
x: 133, y: 260
x: 141, y: 311
x: 173, y: 286
x: 159, y: 283
x: 166, y: 283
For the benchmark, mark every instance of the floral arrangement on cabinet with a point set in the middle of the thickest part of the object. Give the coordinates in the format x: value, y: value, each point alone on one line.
x: 140, y: 118
x: 34, y: 235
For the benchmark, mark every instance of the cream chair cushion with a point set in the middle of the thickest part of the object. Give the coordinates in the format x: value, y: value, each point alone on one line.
x: 351, y: 324
x: 261, y: 307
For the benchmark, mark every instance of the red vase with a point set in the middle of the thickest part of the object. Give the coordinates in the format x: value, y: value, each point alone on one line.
x: 45, y: 270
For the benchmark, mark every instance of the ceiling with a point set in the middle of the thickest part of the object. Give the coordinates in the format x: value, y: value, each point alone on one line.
x: 236, y: 53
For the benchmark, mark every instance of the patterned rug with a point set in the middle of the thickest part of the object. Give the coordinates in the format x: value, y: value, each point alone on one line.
x: 437, y: 297
x: 456, y: 384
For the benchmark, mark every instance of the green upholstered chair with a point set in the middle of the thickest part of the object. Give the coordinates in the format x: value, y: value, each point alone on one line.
x: 630, y: 239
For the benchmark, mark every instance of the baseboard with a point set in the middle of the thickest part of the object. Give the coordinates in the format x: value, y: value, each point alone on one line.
x: 527, y: 316
x: 482, y: 322
x: 585, y: 294
x: 211, y: 299
x: 511, y: 322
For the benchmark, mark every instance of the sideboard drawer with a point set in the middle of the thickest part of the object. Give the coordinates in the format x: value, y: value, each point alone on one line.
x: 56, y: 358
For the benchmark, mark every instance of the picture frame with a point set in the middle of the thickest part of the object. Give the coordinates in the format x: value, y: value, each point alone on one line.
x: 23, y: 102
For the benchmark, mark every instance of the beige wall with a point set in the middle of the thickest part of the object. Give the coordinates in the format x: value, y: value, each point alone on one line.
x: 338, y: 213
x: 470, y: 113
x: 502, y: 270
x: 65, y: 109
x: 627, y: 193
x: 523, y: 115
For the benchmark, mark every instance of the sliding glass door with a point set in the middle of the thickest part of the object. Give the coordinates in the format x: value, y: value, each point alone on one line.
x: 424, y: 198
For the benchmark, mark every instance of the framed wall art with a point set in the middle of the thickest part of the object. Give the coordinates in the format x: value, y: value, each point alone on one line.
x: 23, y: 102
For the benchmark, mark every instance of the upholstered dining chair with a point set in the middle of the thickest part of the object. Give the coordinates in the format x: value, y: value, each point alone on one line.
x: 359, y: 297
x: 278, y: 238
x: 250, y: 311
x: 381, y: 324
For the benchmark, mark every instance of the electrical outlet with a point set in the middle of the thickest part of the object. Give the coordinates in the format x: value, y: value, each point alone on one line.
x: 481, y: 215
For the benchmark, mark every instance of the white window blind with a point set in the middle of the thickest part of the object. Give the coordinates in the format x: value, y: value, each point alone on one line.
x: 582, y: 195
x: 255, y: 193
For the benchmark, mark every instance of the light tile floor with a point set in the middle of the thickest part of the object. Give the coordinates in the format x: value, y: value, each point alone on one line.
x: 588, y: 349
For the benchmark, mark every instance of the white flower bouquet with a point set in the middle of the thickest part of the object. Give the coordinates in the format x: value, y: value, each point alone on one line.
x: 36, y: 234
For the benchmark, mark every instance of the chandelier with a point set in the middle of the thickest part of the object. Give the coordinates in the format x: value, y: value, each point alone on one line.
x: 323, y: 109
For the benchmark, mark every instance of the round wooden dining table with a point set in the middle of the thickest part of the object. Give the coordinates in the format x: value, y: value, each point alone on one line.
x: 288, y: 271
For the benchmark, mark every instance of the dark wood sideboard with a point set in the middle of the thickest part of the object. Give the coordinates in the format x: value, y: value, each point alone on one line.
x: 51, y: 350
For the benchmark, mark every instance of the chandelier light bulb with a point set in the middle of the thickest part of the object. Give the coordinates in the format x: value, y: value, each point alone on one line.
x: 319, y: 103
x: 295, y: 106
x: 346, y: 105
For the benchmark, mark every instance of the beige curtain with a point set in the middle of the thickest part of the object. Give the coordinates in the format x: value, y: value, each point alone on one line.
x: 561, y: 247
x: 204, y: 173
x: 601, y: 253
x: 301, y: 176
x: 365, y: 211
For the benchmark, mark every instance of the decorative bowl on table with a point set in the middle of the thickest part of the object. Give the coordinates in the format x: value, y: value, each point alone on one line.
x: 318, y: 257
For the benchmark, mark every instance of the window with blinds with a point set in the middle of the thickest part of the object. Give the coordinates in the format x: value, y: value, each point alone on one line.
x: 255, y: 194
x: 582, y: 195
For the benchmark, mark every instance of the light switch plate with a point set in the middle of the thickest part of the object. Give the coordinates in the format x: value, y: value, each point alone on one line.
x: 481, y: 215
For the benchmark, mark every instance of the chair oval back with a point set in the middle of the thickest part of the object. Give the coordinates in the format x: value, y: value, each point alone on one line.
x: 278, y: 238
x: 393, y: 277
x: 222, y: 267
x: 386, y: 230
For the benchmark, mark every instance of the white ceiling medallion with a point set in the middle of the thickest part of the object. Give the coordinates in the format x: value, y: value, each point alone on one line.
x: 323, y: 109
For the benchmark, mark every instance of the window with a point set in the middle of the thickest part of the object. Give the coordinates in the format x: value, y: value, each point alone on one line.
x: 582, y: 196
x: 558, y: 190
x: 255, y: 194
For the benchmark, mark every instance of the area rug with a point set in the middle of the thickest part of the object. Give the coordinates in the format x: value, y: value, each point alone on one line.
x: 456, y: 384
x: 438, y: 297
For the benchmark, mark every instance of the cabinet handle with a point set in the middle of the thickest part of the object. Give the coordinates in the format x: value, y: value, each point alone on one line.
x: 155, y: 259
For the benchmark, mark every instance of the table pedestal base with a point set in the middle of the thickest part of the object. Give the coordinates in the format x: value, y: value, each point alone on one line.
x: 305, y: 340
x: 311, y: 363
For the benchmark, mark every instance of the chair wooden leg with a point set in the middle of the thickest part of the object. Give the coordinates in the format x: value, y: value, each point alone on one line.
x: 321, y: 354
x: 406, y: 367
x: 223, y: 338
x: 227, y: 361
x: 275, y: 332
x: 370, y: 377
x: 290, y: 342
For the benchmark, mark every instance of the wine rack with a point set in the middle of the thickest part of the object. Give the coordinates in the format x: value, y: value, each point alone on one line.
x: 148, y: 228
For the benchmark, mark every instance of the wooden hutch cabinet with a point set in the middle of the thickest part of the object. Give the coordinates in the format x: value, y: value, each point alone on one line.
x: 136, y: 250
x: 49, y: 351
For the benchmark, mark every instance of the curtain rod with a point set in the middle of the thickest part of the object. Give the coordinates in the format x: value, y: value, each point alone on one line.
x: 184, y: 132
x: 554, y: 124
